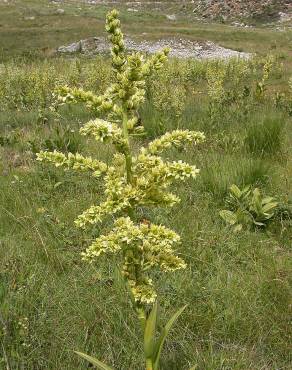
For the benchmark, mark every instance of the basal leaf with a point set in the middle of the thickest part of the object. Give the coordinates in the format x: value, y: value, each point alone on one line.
x: 267, y: 200
x: 163, y: 335
x: 269, y: 206
x: 149, y: 333
x: 237, y: 228
x: 94, y: 361
x: 228, y: 216
x: 234, y: 189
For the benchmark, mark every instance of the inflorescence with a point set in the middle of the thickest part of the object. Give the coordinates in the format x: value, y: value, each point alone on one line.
x: 131, y: 181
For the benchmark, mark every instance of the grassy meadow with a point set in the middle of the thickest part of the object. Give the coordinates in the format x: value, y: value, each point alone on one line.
x: 237, y: 284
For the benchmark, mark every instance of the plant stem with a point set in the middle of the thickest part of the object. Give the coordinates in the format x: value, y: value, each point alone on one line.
x: 149, y: 365
x: 128, y: 155
x: 142, y: 317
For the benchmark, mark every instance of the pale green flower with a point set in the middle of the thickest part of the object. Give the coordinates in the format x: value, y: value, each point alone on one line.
x: 177, y: 139
x: 74, y: 161
x: 130, y: 181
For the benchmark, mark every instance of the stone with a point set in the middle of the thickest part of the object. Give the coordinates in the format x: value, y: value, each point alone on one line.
x: 60, y: 11
x: 180, y: 48
x: 75, y: 47
x: 171, y: 17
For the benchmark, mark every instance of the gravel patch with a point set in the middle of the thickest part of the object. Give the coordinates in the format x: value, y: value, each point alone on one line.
x: 180, y: 48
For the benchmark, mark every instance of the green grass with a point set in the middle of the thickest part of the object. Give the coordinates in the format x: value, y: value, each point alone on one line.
x: 237, y: 286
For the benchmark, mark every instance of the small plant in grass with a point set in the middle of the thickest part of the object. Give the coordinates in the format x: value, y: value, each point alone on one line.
x: 132, y: 180
x: 215, y: 75
x: 169, y: 93
x: 248, y: 208
x: 261, y: 86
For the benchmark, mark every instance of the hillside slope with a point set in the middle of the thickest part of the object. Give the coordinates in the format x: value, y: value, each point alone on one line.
x: 260, y: 10
x: 257, y: 9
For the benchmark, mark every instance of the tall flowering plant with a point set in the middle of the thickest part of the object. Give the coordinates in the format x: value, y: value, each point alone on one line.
x: 132, y: 180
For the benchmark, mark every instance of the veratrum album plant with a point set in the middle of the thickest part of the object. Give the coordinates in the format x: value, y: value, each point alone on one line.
x: 131, y: 181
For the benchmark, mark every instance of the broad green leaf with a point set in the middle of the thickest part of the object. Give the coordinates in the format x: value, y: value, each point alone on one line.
x: 234, y: 189
x: 256, y: 192
x: 237, y: 228
x: 257, y: 203
x: 163, y: 335
x: 267, y: 207
x: 100, y: 365
x: 268, y: 200
x: 245, y: 193
x: 149, y: 333
x: 267, y: 216
x: 246, y: 189
x: 194, y: 367
x: 243, y: 217
x: 228, y: 216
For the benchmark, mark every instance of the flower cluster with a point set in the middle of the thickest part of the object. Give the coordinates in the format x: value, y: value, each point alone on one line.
x: 105, y: 131
x: 151, y: 180
x: 121, y: 100
x: 116, y: 37
x: 177, y: 139
x: 74, y: 161
x: 131, y: 181
x: 143, y: 247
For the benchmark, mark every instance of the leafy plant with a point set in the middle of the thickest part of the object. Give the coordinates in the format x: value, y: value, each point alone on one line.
x: 215, y: 75
x: 261, y: 86
x: 59, y: 138
x: 248, y: 207
x: 63, y: 138
x: 132, y: 180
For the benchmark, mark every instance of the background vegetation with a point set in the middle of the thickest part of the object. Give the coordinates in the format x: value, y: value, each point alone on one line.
x: 236, y: 284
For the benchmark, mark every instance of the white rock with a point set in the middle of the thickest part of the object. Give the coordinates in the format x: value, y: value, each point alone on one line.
x: 60, y: 11
x: 171, y: 17
x: 180, y: 48
x: 284, y: 17
x: 72, y: 48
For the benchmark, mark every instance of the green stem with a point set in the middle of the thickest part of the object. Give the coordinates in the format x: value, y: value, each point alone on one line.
x: 149, y: 365
x: 142, y: 317
x: 128, y: 155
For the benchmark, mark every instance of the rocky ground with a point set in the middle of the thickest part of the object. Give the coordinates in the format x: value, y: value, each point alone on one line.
x: 240, y: 12
x: 242, y: 9
x: 237, y: 13
x: 180, y: 48
x: 265, y: 10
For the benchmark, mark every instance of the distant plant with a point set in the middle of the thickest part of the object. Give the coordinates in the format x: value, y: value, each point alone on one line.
x: 169, y: 92
x: 132, y: 181
x: 215, y: 74
x: 290, y: 83
x: 248, y: 208
x: 63, y: 138
x: 261, y: 85
x: 227, y: 142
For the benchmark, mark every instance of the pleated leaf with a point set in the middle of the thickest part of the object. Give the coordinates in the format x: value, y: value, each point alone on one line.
x: 163, y: 336
x: 149, y: 333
